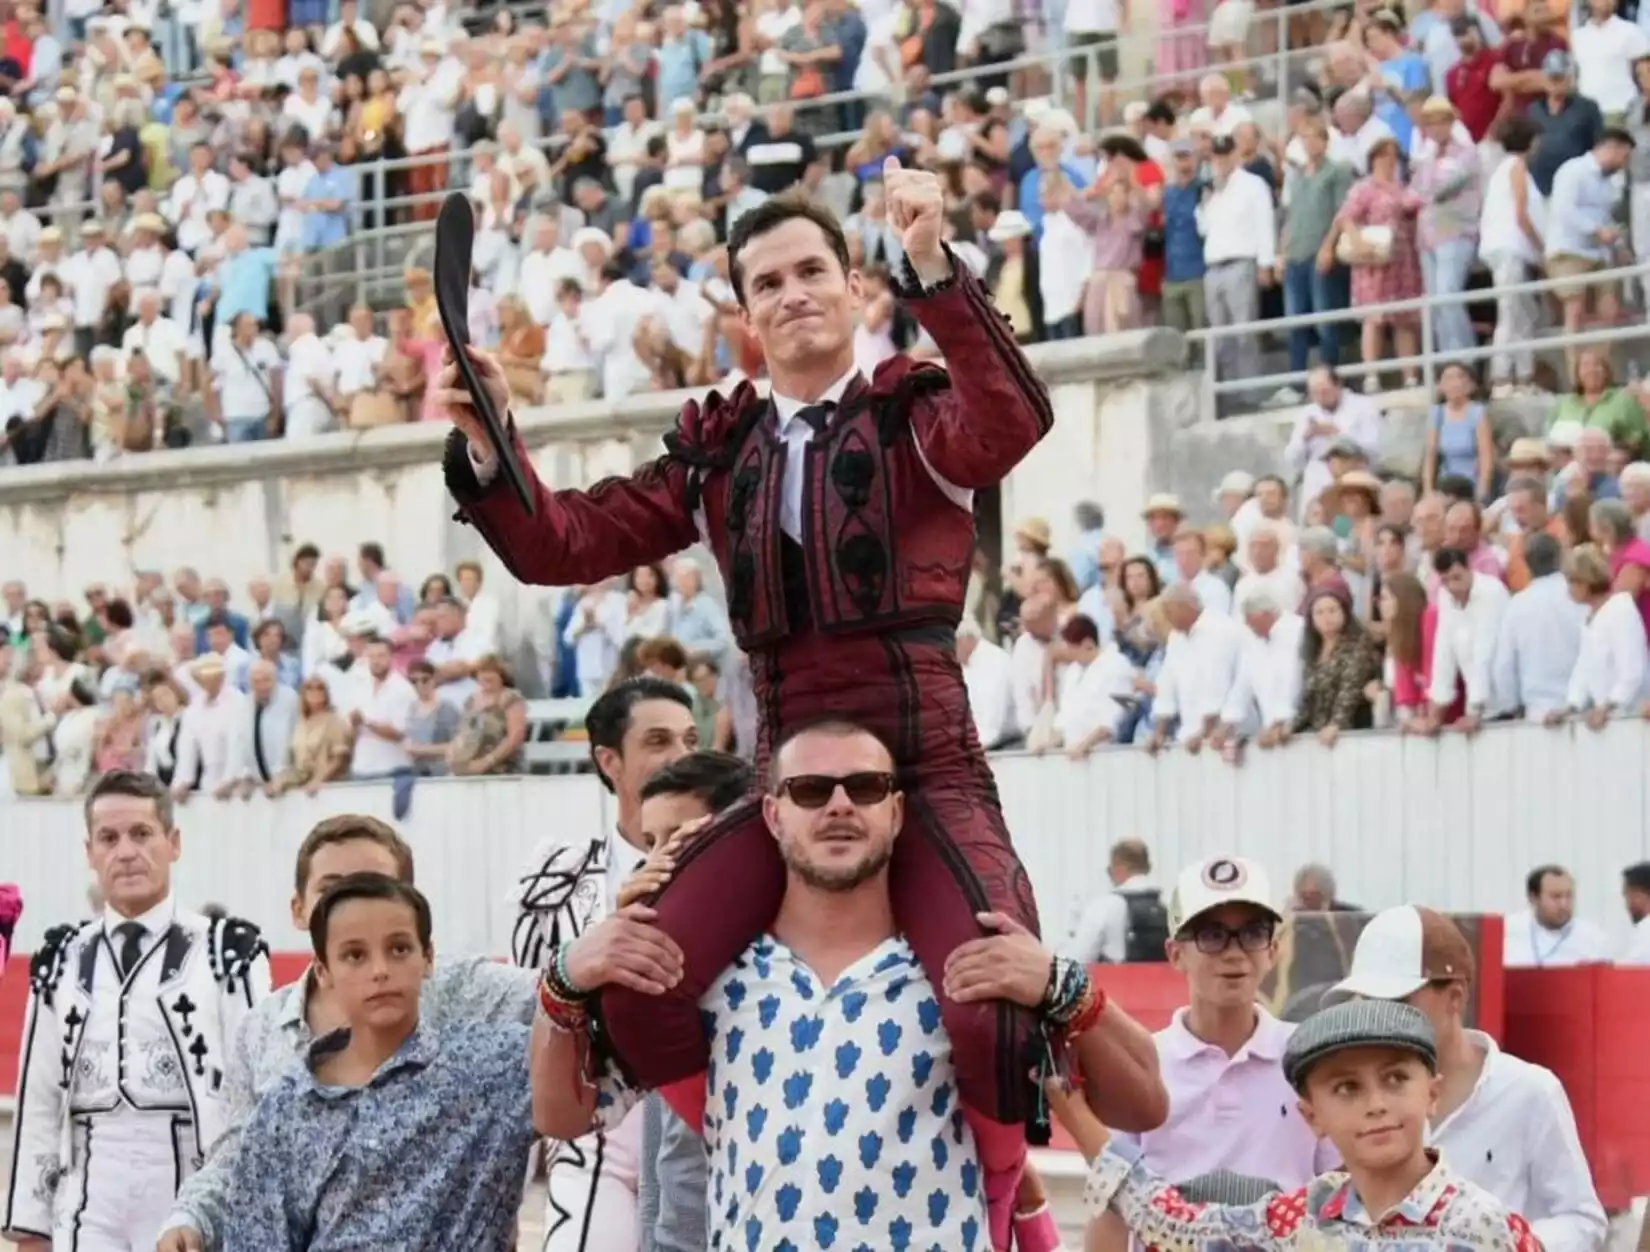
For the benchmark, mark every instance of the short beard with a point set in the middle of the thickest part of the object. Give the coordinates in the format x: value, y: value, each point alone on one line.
x: 837, y: 881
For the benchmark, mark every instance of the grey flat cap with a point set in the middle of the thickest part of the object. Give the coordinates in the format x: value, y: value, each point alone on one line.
x: 1358, y: 1024
x: 1224, y: 1186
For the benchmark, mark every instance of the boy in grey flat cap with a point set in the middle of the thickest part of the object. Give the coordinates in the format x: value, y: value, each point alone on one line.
x: 1367, y: 1076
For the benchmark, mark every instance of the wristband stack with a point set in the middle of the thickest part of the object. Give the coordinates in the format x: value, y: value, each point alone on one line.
x: 560, y: 1000
x: 1071, y: 1002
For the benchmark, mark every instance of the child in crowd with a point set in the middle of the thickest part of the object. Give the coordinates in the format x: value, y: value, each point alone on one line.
x: 1367, y: 1076
x: 391, y: 1134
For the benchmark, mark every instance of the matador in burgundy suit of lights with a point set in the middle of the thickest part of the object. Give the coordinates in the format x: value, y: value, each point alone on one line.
x: 855, y: 618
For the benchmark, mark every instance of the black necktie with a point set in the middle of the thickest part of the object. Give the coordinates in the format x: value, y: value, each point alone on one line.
x: 816, y: 415
x: 131, y: 946
x: 258, y: 740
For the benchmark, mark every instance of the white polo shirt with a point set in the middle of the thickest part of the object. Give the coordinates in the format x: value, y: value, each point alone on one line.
x: 1515, y: 1136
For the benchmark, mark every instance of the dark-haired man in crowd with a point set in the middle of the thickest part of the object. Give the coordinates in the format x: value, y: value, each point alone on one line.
x: 636, y: 729
x: 671, y: 1193
x: 284, y: 1026
x: 127, y: 1043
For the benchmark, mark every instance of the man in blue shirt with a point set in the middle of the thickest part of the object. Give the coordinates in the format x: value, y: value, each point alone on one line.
x: 1183, y: 307
x: 328, y: 199
x: 244, y: 278
x: 1404, y: 74
x: 682, y: 54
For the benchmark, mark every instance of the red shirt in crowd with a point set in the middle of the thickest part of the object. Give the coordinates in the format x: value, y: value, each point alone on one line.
x: 16, y: 46
x: 1468, y: 86
x: 1149, y: 279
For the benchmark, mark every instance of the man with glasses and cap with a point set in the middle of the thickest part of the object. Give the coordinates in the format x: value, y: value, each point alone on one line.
x: 1500, y: 1122
x: 121, y: 1091
x: 1230, y: 1106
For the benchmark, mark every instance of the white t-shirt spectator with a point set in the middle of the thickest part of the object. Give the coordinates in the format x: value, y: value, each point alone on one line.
x: 290, y: 185
x: 389, y: 701
x: 1091, y: 17
x: 89, y: 276
x: 188, y: 203
x: 1200, y: 667
x: 245, y: 377
x: 355, y: 358
x: 315, y: 116
x: 769, y: 27
x: 310, y: 362
x: 1228, y: 120
x: 540, y: 276
x: 365, y: 33
x: 428, y: 108
x: 163, y: 342
x: 609, y: 322
x: 564, y: 348
x: 1604, y: 53
x: 464, y: 646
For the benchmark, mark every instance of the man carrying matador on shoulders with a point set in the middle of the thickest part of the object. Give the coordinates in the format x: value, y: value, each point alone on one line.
x: 840, y: 511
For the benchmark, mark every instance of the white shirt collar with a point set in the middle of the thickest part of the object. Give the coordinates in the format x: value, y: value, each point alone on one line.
x: 787, y: 408
x: 154, y: 922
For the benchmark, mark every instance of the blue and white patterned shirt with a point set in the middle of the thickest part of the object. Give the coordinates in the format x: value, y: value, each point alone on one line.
x: 428, y: 1156
x: 831, y: 1118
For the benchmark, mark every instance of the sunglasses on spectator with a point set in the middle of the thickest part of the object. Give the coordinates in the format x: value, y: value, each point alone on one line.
x: 1211, y: 938
x: 814, y: 791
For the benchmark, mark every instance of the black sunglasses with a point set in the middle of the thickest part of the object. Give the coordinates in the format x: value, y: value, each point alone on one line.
x: 1211, y: 938
x: 814, y: 791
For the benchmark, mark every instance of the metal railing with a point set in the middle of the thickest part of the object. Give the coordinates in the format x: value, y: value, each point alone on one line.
x: 368, y: 259
x: 1430, y: 360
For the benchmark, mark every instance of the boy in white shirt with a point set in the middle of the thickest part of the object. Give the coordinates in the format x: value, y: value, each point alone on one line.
x: 568, y: 367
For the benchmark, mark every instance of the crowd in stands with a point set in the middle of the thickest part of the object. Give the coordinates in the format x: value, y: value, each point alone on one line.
x: 1363, y: 604
x: 185, y: 180
x: 310, y: 678
x: 154, y: 225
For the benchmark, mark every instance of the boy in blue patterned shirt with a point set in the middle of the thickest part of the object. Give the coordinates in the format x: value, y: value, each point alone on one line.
x: 392, y: 1134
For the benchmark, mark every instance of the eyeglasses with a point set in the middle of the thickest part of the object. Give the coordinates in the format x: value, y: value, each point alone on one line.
x: 814, y: 791
x: 1211, y: 938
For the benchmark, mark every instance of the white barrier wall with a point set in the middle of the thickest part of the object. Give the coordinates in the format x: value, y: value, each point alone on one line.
x: 1454, y: 823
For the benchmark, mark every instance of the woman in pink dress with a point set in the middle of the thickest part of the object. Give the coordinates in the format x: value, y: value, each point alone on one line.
x: 1612, y: 529
x: 1381, y: 272
x: 1181, y: 52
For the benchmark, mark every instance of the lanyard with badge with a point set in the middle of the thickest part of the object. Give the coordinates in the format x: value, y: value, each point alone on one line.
x: 1535, y: 946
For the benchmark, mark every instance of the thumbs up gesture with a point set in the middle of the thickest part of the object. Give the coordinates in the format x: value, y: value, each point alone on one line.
x: 916, y: 210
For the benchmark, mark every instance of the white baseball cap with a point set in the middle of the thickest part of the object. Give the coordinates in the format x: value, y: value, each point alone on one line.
x: 1216, y: 881
x: 1400, y: 951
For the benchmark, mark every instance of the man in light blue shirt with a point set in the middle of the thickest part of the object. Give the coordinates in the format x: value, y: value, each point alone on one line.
x: 1540, y: 637
x: 697, y: 622
x: 244, y: 278
x: 328, y: 198
x: 1581, y: 212
x: 1582, y: 235
x: 682, y: 54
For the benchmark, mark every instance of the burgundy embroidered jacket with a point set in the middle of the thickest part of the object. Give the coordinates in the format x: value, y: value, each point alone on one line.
x: 882, y: 545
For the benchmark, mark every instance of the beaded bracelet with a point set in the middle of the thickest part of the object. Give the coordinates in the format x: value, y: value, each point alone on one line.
x: 1088, y: 1012
x: 567, y: 1015
x: 1067, y: 985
